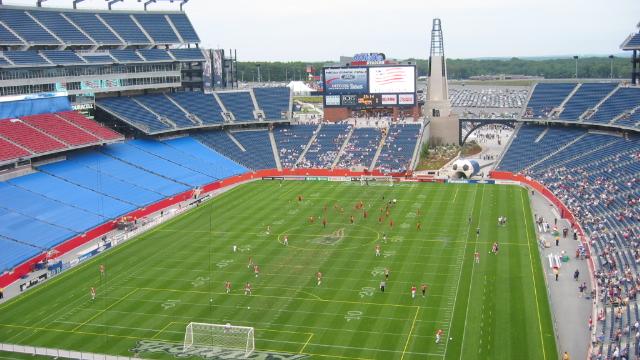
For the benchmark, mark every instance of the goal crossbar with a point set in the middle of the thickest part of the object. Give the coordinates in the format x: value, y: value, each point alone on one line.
x: 225, y: 336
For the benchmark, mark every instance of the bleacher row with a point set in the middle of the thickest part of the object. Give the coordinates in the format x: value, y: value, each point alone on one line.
x: 30, y: 58
x: 157, y: 113
x: 55, y: 27
x: 36, y: 135
x: 597, y: 175
x: 253, y: 148
x: 65, y: 199
x: 593, y: 103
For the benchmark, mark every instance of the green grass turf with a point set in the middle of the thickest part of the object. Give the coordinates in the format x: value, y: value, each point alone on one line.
x: 158, y: 283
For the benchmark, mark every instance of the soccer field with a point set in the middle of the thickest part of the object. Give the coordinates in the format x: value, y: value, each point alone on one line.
x: 158, y: 283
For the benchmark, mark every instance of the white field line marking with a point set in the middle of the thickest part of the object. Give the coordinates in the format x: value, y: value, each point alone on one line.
x: 455, y: 298
x: 533, y: 275
x: 473, y: 266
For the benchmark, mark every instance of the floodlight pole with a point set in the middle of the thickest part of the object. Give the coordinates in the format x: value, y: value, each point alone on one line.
x: 611, y: 64
x: 576, y: 59
x: 147, y: 3
x: 75, y: 3
x: 39, y: 3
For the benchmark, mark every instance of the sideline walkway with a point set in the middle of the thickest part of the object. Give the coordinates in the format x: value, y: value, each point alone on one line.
x: 571, y: 313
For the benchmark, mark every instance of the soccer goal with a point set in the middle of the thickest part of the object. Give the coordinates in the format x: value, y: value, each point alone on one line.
x: 202, y: 335
x: 376, y: 180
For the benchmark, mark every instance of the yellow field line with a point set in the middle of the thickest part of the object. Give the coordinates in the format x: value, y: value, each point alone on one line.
x: 413, y: 324
x: 533, y: 275
x: 277, y: 297
x: 105, y: 309
x: 69, y: 331
x: 305, y: 344
x: 163, y: 329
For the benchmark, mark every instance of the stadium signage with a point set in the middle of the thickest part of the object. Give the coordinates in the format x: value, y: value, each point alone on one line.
x: 214, y: 353
x: 369, y: 57
x: 351, y: 80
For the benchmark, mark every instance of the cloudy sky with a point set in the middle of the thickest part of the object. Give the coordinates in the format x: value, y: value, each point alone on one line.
x: 325, y: 29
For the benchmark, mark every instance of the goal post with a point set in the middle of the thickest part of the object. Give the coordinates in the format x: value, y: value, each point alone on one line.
x: 227, y: 336
x: 366, y: 180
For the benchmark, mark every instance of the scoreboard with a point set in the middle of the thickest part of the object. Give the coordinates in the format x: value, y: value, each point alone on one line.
x: 370, y: 86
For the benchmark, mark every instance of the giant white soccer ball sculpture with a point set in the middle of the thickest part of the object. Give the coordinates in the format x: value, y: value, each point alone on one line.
x: 465, y: 169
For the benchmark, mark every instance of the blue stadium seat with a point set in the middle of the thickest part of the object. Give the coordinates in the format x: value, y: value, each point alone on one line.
x: 7, y: 38
x: 63, y: 57
x: 159, y: 166
x: 31, y: 231
x: 184, y: 27
x: 193, y: 54
x: 158, y: 28
x: 25, y: 58
x: 124, y: 25
x: 155, y: 55
x: 223, y: 166
x: 623, y: 100
x: 291, y: 141
x: 254, y: 140
x: 64, y: 30
x: 586, y: 97
x: 159, y: 104
x: 398, y: 148
x: 26, y: 27
x: 130, y: 111
x: 14, y: 253
x: 546, y: 97
x: 361, y: 148
x: 273, y: 101
x: 98, y: 59
x: 239, y: 103
x: 324, y: 149
x: 92, y: 26
x: 204, y: 106
x: 125, y: 56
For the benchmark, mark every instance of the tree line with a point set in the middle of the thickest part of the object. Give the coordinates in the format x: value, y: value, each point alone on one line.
x: 460, y: 69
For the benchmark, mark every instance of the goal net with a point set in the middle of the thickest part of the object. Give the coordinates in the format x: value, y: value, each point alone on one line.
x: 202, y: 335
x: 376, y: 180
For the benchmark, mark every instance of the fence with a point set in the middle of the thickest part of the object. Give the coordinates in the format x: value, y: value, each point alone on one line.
x: 59, y: 353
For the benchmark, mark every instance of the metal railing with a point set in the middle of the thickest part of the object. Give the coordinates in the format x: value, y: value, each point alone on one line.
x: 60, y: 353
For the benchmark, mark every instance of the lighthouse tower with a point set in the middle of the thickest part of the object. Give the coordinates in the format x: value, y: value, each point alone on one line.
x: 444, y: 125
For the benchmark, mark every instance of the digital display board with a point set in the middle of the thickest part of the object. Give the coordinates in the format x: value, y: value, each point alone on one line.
x: 392, y: 79
x: 339, y: 81
x: 370, y: 86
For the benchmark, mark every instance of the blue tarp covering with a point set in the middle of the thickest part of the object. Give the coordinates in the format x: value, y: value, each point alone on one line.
x: 34, y: 104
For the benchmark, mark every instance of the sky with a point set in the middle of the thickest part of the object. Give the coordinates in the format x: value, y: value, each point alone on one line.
x: 290, y: 30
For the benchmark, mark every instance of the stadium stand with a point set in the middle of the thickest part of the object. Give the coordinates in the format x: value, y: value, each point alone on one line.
x: 90, y: 126
x: 184, y: 28
x: 29, y: 30
x: 25, y: 58
x: 128, y: 110
x: 597, y: 179
x: 361, y: 148
x: 273, y: 101
x: 126, y: 28
x: 61, y: 28
x: 399, y: 146
x: 192, y: 54
x: 61, y: 57
x: 7, y: 38
x: 239, y: 103
x: 10, y: 151
x: 125, y: 56
x: 222, y: 142
x: 291, y: 142
x: 546, y: 97
x: 624, y: 99
x: 14, y: 252
x: 92, y: 26
x: 155, y: 55
x: 157, y: 26
x: 159, y: 104
x: 222, y: 166
x: 204, y: 106
x: 28, y: 137
x: 30, y: 231
x: 98, y: 58
x: 60, y: 129
x: 325, y: 147
x: 586, y: 97
x: 258, y: 146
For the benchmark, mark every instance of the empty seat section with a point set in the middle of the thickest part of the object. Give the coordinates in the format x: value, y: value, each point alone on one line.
x: 124, y: 56
x: 152, y: 55
x: 184, y: 28
x: 258, y: 145
x: 28, y: 137
x: 131, y: 154
x: 63, y: 57
x: 130, y: 111
x: 10, y: 151
x: 92, y: 26
x: 162, y: 150
x: 273, y: 101
x: 192, y: 54
x: 164, y: 107
x: 158, y: 28
x: 90, y: 126
x: 126, y: 28
x: 60, y: 129
x: 14, y: 253
x: 31, y: 231
x: 546, y: 97
x: 68, y: 193
x: 221, y: 142
x: 36, y: 206
x: 204, y: 106
x: 130, y: 174
x: 239, y: 103
x: 291, y: 141
x: 586, y: 97
x: 224, y: 166
x: 25, y: 58
x: 7, y: 38
x: 61, y: 27
x: 26, y: 28
x: 98, y: 59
